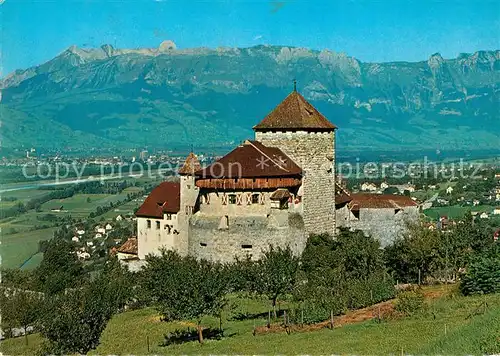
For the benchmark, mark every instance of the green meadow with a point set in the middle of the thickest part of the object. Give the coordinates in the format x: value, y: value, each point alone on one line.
x: 450, y: 325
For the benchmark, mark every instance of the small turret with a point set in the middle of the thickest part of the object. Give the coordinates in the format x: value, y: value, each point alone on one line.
x: 190, y: 166
x: 189, y: 198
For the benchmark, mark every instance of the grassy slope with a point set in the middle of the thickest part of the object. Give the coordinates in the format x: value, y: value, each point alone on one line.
x: 423, y: 334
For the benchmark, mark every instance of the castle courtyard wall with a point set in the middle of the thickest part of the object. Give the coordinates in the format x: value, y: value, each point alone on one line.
x: 384, y: 224
x: 244, y: 235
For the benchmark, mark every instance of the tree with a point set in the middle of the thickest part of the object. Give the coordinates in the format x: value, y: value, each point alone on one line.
x: 483, y: 273
x: 60, y: 268
x: 183, y: 287
x: 415, y: 255
x: 276, y: 273
x: 20, y: 309
x: 345, y: 272
x: 72, y: 322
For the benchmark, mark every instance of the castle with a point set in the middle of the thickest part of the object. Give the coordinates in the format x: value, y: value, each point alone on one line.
x: 273, y: 190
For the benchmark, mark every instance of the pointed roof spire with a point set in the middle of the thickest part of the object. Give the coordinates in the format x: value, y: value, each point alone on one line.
x: 295, y: 113
x: 295, y: 85
x: 191, y: 165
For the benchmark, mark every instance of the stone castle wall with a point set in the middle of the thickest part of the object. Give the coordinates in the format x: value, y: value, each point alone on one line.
x: 314, y: 152
x: 244, y: 235
x: 384, y: 224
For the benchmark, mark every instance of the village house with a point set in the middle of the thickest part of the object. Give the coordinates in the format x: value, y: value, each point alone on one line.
x: 496, y: 211
x: 384, y: 185
x: 369, y: 187
x: 449, y: 190
x: 484, y: 215
x: 276, y: 189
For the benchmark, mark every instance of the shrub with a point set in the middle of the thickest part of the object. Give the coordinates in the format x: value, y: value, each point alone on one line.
x: 410, y: 302
x: 374, y: 289
x: 317, y: 307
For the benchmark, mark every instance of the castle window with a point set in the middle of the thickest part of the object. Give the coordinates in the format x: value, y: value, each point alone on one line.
x: 224, y: 222
x: 169, y: 216
x: 188, y: 186
x: 232, y: 198
x: 246, y: 247
x: 157, y: 225
x: 203, y: 244
x: 255, y: 198
x: 149, y: 224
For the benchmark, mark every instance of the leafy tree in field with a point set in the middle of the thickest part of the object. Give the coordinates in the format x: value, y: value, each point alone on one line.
x: 345, y: 272
x: 242, y: 275
x: 482, y: 276
x: 437, y: 254
x: 72, y: 322
x: 184, y: 288
x: 60, y: 268
x: 20, y: 309
x: 15, y: 277
x: 119, y: 282
x: 276, y: 273
x: 418, y: 250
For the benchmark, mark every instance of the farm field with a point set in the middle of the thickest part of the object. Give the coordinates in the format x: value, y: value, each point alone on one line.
x: 17, y: 248
x: 451, y: 324
x: 455, y: 211
x: 20, y: 240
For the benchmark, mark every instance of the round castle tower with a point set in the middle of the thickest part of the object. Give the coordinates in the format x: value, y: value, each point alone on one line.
x: 308, y: 138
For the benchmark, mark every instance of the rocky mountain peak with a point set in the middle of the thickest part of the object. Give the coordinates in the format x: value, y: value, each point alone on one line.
x: 167, y: 45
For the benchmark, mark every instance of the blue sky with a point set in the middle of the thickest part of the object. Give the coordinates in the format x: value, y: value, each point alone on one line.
x: 383, y: 30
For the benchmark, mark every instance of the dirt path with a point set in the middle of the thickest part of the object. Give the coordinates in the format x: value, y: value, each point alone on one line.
x: 379, y: 310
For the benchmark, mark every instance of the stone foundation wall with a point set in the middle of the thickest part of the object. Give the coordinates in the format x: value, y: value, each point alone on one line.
x: 244, y: 235
x: 314, y: 152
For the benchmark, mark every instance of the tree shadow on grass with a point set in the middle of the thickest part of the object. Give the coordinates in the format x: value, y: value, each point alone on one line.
x: 188, y: 335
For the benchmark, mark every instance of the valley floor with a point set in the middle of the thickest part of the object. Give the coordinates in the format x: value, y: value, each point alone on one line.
x: 451, y: 324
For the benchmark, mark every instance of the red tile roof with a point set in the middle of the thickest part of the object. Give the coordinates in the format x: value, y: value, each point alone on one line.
x: 280, y: 194
x: 295, y: 113
x: 252, y: 160
x: 191, y: 165
x: 129, y: 246
x: 342, y: 195
x: 165, y: 198
x: 378, y: 201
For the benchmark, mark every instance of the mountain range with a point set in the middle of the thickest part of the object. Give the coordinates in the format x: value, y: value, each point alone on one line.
x: 165, y: 97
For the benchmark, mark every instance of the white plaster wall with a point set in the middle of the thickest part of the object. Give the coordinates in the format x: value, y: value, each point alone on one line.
x: 150, y: 240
